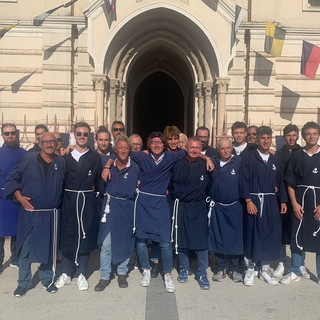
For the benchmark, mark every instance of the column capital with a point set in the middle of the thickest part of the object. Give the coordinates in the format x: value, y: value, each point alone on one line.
x: 222, y: 84
x: 207, y: 87
x: 99, y: 81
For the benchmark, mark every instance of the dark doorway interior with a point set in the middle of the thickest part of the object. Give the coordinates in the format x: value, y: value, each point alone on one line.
x: 158, y: 102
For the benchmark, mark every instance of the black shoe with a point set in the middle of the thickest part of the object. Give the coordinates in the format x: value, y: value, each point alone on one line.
x: 122, y: 281
x: 102, y: 284
x: 155, y: 270
x: 20, y: 292
x: 51, y: 288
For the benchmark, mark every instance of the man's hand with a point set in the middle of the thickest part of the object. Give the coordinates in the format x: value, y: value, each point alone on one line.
x: 283, y: 208
x: 298, y: 211
x: 209, y: 164
x: 317, y: 213
x: 106, y: 174
x: 251, y: 208
x: 24, y: 201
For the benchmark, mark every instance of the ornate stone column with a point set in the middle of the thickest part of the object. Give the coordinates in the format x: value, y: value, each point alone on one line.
x: 199, y: 95
x: 121, y: 93
x: 113, y: 87
x: 99, y: 81
x: 207, y: 90
x: 222, y: 84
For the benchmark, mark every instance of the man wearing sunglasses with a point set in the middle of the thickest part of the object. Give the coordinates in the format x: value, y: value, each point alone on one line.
x: 117, y: 129
x: 10, y: 155
x: 252, y: 134
x: 79, y: 218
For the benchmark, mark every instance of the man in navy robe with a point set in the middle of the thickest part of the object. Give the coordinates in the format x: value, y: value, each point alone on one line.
x: 226, y: 213
x: 80, y: 214
x: 262, y: 188
x: 115, y: 237
x: 303, y: 182
x: 37, y: 184
x: 290, y: 136
x: 190, y: 223
x: 239, y: 134
x: 10, y: 155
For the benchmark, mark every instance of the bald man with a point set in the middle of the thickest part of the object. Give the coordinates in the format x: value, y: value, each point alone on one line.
x: 226, y: 213
x: 37, y: 184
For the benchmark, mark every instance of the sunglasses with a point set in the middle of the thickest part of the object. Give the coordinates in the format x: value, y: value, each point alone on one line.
x: 12, y: 133
x: 251, y: 134
x: 85, y: 134
x: 118, y: 129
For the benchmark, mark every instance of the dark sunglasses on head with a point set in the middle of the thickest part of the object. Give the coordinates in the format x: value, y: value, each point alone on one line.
x: 85, y: 134
x: 13, y: 133
x: 118, y: 129
x: 251, y: 134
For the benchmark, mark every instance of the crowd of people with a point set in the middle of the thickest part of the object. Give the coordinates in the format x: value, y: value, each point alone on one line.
x: 242, y: 202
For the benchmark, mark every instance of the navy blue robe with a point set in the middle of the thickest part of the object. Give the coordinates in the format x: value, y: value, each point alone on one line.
x: 83, y: 175
x: 45, y: 192
x: 189, y: 183
x: 262, y: 232
x: 226, y: 222
x: 305, y: 170
x: 9, y: 158
x: 284, y: 156
x: 152, y: 212
x: 119, y: 221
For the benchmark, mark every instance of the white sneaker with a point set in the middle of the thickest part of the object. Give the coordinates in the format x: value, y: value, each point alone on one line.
x: 304, y: 273
x: 168, y: 282
x: 289, y: 278
x: 82, y: 283
x: 248, y: 279
x: 268, y: 278
x: 146, y: 278
x: 62, y: 281
x: 278, y: 273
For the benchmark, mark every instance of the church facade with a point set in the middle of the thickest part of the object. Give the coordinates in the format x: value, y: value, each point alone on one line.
x: 153, y: 63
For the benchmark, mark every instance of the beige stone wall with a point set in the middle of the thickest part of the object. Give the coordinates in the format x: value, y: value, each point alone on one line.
x: 46, y: 71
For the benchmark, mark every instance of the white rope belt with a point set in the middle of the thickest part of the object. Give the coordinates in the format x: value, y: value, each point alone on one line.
x: 107, y: 206
x: 54, y: 240
x: 213, y: 203
x: 79, y: 217
x: 313, y: 188
x: 2, y: 188
x: 261, y: 196
x: 174, y: 224
x: 135, y: 204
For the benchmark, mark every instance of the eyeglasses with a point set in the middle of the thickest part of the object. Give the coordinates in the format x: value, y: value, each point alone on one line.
x: 12, y: 133
x: 118, y: 129
x: 48, y: 141
x: 85, y: 134
x: 203, y: 137
x: 251, y: 134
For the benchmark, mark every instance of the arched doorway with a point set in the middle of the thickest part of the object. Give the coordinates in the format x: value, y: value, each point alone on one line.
x: 158, y: 102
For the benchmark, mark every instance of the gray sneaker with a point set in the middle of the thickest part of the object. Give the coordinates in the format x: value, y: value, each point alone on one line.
x: 219, y: 276
x: 236, y: 277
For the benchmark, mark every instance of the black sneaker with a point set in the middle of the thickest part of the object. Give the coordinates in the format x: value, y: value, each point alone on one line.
x: 20, y: 292
x: 51, y: 288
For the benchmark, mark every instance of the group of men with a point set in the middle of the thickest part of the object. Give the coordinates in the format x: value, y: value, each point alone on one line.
x: 242, y: 202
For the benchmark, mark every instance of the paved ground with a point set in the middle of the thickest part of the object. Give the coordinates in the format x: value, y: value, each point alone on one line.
x: 225, y: 300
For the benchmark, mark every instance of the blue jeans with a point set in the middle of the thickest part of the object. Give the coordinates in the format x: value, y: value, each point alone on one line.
x: 202, y: 258
x: 106, y: 260
x: 24, y: 261
x: 166, y: 254
x: 297, y: 260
